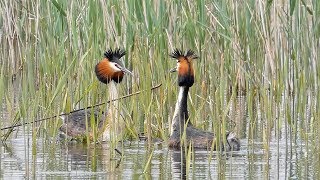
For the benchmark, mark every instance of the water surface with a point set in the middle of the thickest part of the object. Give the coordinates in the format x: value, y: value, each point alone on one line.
x: 283, y: 158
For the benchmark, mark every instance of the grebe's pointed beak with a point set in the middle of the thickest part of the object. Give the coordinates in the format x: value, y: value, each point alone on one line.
x: 173, y: 70
x: 126, y: 71
x: 123, y: 69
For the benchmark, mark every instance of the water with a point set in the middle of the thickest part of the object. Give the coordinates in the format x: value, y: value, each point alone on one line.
x: 79, y: 161
x: 286, y: 156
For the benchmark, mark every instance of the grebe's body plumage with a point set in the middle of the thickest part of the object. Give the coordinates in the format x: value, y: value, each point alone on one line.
x: 180, y: 122
x: 109, y: 70
x: 74, y: 125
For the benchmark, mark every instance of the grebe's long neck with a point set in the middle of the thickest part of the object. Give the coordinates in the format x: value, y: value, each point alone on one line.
x: 113, y: 93
x: 112, y: 109
x: 114, y: 124
x: 181, y: 111
x: 183, y: 102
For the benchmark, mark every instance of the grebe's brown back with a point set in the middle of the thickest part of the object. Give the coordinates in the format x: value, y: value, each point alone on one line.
x: 110, y: 70
x: 180, y: 122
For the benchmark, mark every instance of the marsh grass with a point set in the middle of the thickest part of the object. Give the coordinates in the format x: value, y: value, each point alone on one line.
x: 267, y: 50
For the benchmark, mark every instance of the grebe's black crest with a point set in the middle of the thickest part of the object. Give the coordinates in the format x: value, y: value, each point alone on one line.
x: 114, y: 55
x: 177, y: 53
x: 191, y: 54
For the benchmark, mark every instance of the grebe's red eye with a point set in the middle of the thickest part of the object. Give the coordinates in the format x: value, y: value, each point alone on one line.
x: 118, y: 66
x: 123, y: 69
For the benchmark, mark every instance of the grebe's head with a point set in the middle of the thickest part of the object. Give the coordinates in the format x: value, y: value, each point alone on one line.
x: 184, y: 66
x: 110, y: 67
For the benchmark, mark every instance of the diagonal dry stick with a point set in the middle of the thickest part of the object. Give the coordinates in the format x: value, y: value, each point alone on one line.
x: 96, y: 105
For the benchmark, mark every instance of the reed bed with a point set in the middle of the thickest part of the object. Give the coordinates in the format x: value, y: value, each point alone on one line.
x: 265, y: 50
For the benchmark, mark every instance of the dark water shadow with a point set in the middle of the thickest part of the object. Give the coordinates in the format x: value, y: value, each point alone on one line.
x: 178, y: 164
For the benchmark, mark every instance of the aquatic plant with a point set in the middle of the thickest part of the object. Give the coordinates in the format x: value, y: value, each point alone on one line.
x: 267, y: 50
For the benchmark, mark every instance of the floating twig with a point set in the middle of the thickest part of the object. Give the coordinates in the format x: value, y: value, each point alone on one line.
x: 118, y: 151
x: 89, y: 107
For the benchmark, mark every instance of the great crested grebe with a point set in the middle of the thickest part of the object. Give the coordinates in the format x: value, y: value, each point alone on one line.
x: 181, y: 123
x: 110, y: 70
